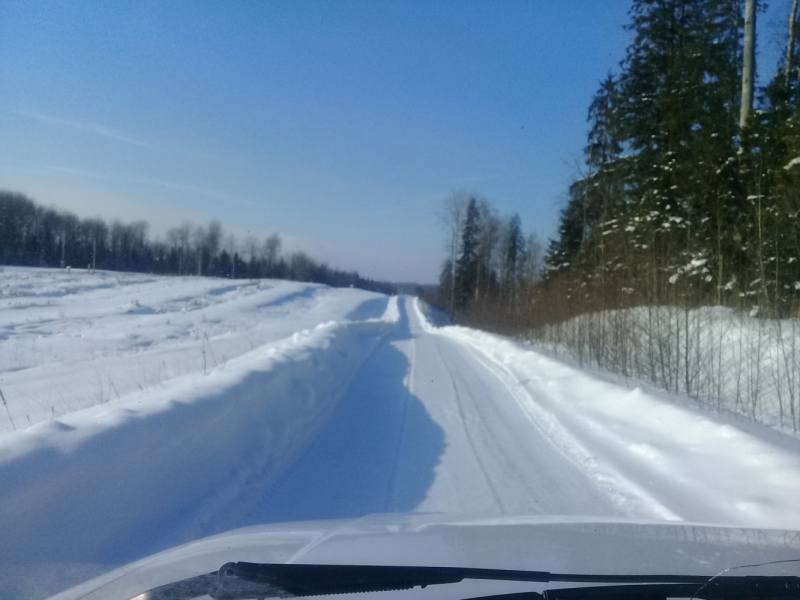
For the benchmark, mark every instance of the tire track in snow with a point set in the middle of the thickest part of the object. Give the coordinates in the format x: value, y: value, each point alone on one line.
x: 622, y: 492
x: 468, y: 434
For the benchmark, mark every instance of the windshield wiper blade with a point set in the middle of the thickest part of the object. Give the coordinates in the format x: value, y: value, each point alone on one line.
x: 718, y: 588
x: 313, y: 580
x: 293, y: 580
x: 715, y: 589
x: 240, y: 580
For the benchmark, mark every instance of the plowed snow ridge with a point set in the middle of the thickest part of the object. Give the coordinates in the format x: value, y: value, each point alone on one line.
x: 347, y: 404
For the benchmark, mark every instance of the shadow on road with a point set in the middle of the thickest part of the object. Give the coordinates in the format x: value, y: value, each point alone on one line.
x: 369, y: 309
x: 152, y: 480
x: 377, y: 453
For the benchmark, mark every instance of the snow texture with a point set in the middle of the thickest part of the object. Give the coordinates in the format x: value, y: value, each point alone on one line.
x: 737, y: 362
x: 327, y: 404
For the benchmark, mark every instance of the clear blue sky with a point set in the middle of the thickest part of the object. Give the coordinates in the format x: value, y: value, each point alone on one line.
x: 339, y: 124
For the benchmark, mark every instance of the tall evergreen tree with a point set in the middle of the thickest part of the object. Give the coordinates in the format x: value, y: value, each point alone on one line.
x: 652, y: 206
x: 467, y: 266
x: 515, y: 246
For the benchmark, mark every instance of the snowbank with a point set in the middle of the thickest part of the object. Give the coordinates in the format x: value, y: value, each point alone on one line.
x: 730, y: 360
x: 431, y: 315
x: 108, y: 484
x: 71, y: 340
x: 650, y: 452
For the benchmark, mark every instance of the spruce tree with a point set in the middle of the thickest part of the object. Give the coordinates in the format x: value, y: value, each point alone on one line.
x: 515, y: 245
x: 467, y: 265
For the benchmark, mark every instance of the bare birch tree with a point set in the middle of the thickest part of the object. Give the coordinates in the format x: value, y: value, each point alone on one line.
x: 790, y: 45
x: 272, y: 249
x: 231, y: 247
x: 749, y: 63
x: 199, y: 242
x: 451, y: 216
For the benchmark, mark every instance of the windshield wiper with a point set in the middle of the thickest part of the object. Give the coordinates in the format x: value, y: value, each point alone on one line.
x: 241, y: 580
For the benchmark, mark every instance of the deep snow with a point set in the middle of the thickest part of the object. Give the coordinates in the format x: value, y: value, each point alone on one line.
x: 731, y: 360
x: 649, y: 452
x: 70, y: 340
x: 348, y: 403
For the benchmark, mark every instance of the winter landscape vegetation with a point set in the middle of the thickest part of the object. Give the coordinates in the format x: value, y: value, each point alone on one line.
x: 644, y: 364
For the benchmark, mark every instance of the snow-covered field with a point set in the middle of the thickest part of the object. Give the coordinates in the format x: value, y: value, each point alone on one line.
x: 278, y: 401
x: 71, y: 340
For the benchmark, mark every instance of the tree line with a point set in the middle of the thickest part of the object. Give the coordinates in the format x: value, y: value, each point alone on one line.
x: 38, y: 236
x: 492, y: 269
x: 690, y: 190
x: 687, y: 198
x: 678, y: 254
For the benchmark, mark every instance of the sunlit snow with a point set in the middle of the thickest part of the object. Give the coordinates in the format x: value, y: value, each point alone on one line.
x: 152, y: 411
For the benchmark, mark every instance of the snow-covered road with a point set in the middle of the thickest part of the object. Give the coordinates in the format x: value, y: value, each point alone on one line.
x: 331, y: 404
x: 425, y: 426
x: 453, y: 420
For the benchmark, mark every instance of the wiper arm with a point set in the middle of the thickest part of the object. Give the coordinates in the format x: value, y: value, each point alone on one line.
x: 291, y: 580
x: 241, y: 580
x: 720, y: 588
x: 715, y: 589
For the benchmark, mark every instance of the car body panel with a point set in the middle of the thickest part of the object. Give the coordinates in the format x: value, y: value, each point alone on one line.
x: 564, y: 545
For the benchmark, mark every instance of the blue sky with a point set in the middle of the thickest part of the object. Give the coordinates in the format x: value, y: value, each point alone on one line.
x: 341, y: 125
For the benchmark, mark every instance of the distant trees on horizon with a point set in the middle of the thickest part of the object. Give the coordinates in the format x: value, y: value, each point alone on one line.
x: 492, y: 268
x: 37, y: 236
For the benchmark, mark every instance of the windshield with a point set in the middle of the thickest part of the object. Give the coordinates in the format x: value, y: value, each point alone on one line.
x: 509, y: 265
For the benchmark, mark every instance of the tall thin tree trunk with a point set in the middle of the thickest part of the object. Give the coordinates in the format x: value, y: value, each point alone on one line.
x: 478, y: 282
x: 453, y: 255
x: 790, y: 44
x: 762, y: 272
x: 719, y: 253
x: 749, y: 64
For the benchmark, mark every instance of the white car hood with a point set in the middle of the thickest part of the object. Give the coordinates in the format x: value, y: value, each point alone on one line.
x: 562, y: 545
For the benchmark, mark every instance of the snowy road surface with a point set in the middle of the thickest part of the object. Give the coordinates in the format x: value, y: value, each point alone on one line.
x: 365, y: 407
x: 426, y: 427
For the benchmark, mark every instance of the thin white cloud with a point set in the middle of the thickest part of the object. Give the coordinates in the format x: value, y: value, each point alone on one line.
x: 80, y: 173
x: 149, y: 181
x: 93, y: 128
x: 41, y: 169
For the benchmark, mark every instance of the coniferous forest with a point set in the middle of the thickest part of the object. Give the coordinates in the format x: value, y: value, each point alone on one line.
x: 677, y: 258
x: 691, y: 190
x: 36, y: 236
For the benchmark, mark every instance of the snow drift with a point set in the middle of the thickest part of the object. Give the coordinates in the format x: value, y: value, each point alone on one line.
x: 155, y: 468
x: 652, y: 453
